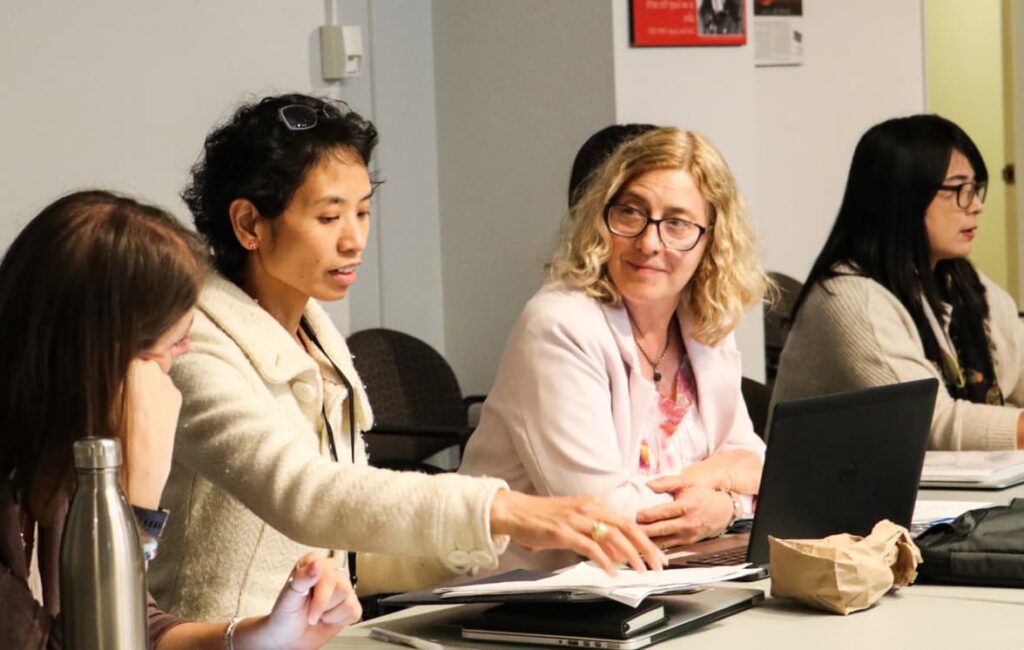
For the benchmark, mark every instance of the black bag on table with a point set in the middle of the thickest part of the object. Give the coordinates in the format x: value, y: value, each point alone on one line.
x: 983, y: 547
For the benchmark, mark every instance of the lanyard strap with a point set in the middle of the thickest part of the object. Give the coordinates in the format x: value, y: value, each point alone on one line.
x: 331, y: 445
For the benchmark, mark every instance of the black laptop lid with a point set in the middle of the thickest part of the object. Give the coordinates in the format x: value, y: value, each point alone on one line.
x: 840, y: 463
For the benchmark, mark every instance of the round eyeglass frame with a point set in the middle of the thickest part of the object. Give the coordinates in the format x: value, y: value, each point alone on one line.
x: 702, y: 230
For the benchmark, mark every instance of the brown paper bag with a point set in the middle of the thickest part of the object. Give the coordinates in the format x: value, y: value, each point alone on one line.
x: 844, y: 573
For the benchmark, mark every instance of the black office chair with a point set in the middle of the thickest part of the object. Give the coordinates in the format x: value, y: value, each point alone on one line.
x: 757, y: 397
x: 415, y: 397
x: 776, y: 320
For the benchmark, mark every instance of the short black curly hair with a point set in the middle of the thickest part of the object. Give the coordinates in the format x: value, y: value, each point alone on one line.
x: 256, y: 156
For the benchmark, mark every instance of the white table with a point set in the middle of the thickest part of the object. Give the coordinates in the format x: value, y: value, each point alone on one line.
x: 920, y: 616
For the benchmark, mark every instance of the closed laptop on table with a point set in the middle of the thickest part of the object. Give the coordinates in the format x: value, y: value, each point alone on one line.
x: 834, y: 464
x: 684, y: 613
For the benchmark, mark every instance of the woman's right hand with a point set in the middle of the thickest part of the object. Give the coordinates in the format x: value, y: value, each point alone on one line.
x: 315, y: 603
x: 538, y: 523
x: 152, y: 409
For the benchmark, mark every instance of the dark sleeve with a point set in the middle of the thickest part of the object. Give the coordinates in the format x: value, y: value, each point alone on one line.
x: 159, y: 621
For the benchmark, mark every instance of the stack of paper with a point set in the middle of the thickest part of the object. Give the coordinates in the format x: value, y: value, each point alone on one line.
x: 972, y: 466
x: 629, y: 587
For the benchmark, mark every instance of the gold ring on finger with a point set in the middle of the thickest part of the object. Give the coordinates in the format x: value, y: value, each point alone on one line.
x: 598, y: 531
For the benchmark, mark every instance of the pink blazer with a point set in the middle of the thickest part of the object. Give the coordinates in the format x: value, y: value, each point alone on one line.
x: 565, y: 415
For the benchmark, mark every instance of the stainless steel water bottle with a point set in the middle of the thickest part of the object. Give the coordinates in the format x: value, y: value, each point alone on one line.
x: 102, y: 575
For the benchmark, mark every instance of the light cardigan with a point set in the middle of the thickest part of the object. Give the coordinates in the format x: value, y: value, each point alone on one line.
x: 852, y: 333
x: 567, y: 413
x: 252, y: 488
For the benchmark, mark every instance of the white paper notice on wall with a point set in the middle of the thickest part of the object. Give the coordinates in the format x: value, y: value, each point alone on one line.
x: 778, y: 32
x: 778, y: 41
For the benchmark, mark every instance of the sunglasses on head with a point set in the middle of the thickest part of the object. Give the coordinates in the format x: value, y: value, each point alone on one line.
x: 301, y: 117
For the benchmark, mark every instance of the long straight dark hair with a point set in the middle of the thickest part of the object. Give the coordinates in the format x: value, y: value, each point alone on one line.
x: 896, y: 171
x: 90, y: 283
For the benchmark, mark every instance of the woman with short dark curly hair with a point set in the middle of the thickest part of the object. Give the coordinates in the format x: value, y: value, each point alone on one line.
x: 269, y: 459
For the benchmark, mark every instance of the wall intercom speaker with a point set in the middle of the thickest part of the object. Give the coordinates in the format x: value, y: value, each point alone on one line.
x: 341, y: 51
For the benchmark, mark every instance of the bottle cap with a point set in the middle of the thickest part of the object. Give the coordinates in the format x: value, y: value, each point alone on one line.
x: 97, y: 453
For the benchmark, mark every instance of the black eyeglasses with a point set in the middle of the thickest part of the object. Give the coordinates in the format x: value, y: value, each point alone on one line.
x: 627, y: 221
x: 298, y: 117
x: 965, y: 192
x: 301, y: 117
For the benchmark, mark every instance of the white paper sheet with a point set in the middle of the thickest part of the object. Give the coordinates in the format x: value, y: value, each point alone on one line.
x: 629, y: 587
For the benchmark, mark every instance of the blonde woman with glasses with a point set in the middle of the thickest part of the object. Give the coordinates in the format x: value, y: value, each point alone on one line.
x: 621, y: 377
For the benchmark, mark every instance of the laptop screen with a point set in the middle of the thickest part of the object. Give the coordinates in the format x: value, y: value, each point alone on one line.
x: 841, y: 463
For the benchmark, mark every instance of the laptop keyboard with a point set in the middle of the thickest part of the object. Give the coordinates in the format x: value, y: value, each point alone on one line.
x: 724, y: 557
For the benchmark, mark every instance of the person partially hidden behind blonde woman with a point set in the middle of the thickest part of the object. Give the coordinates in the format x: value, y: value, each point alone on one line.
x: 621, y: 377
x: 96, y: 301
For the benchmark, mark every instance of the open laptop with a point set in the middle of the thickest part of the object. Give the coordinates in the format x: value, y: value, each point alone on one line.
x: 685, y: 613
x: 834, y: 464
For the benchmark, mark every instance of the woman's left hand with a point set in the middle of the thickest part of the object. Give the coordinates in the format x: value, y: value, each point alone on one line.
x: 153, y: 404
x: 738, y: 470
x: 696, y: 512
x: 313, y: 606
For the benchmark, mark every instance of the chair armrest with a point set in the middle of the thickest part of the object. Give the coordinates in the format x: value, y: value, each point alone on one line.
x: 456, y: 434
x: 388, y: 444
x: 470, y: 400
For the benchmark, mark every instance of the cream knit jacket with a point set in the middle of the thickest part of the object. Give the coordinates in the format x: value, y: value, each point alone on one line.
x: 854, y: 334
x: 252, y: 488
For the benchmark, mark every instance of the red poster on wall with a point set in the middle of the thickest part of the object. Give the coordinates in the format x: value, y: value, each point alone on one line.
x: 666, y: 23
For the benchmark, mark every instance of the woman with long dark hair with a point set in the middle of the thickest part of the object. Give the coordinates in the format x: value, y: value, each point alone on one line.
x: 892, y: 296
x: 96, y: 301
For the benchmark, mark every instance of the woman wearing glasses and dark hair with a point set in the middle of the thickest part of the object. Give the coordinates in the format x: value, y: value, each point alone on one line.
x: 96, y: 300
x: 268, y: 460
x: 621, y: 377
x: 892, y: 296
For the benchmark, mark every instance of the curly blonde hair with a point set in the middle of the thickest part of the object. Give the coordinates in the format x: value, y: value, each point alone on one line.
x: 729, y: 277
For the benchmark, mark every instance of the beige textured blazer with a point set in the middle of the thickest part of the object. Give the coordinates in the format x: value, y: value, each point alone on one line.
x: 852, y: 333
x: 252, y: 487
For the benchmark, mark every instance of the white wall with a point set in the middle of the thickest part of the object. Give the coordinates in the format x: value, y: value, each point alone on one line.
x: 120, y: 94
x: 1016, y: 19
x: 403, y: 289
x: 519, y: 85
x: 517, y: 70
x: 863, y: 63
